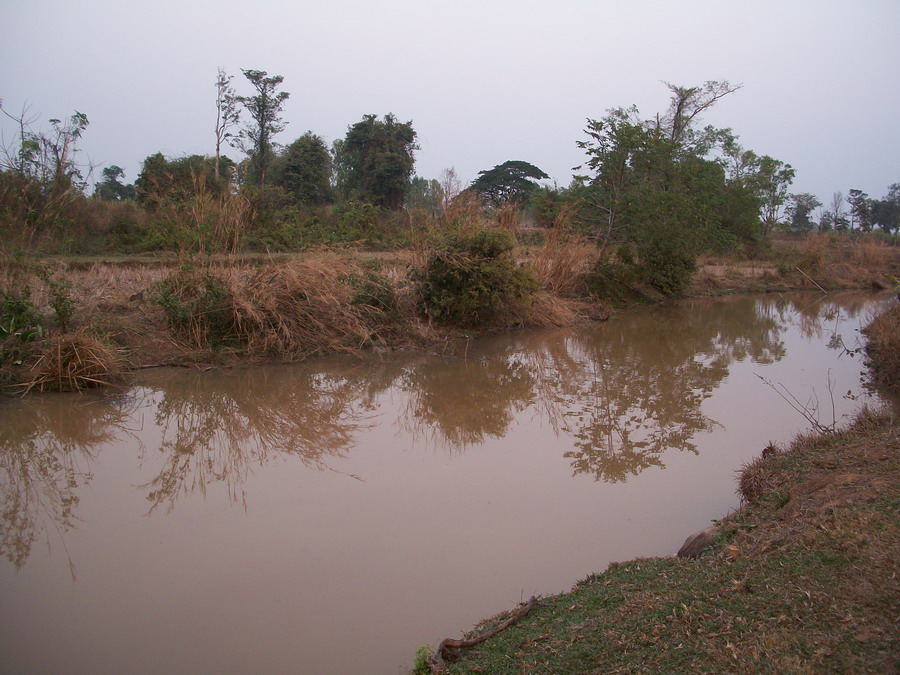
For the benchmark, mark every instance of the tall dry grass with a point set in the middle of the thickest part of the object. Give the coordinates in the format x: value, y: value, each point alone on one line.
x: 883, y: 347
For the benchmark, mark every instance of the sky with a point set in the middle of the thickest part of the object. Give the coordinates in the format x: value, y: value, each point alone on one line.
x: 483, y: 81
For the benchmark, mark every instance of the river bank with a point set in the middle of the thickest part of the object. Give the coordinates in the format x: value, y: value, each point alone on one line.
x: 72, y: 323
x: 802, y: 579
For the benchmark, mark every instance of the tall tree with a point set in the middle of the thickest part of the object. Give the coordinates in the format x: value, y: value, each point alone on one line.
x: 512, y: 181
x: 227, y: 113
x: 374, y: 161
x: 772, y: 180
x: 860, y: 212
x: 656, y: 191
x: 264, y: 108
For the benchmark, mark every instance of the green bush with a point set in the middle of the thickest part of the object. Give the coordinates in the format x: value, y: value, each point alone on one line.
x: 474, y: 280
x: 668, y: 269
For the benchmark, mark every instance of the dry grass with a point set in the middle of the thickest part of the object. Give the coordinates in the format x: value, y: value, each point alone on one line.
x: 562, y: 262
x: 75, y: 361
x: 883, y: 347
x: 297, y: 309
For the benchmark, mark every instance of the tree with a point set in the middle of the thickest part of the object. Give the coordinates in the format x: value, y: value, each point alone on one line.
x: 227, y: 113
x: 304, y: 170
x: 886, y: 211
x: 265, y: 111
x: 836, y: 216
x: 860, y: 212
x: 799, y: 209
x: 512, y: 181
x: 374, y: 161
x: 47, y: 157
x: 659, y: 194
x: 111, y: 188
x: 772, y: 180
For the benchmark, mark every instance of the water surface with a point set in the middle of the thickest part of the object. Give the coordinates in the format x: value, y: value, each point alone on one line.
x: 333, y: 516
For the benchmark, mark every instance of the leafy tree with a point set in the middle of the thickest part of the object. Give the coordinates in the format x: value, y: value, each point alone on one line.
x: 512, y: 181
x: 374, y: 161
x: 772, y: 180
x: 655, y: 190
x: 304, y: 170
x: 886, y: 211
x: 264, y: 109
x: 799, y: 209
x: 164, y: 180
x: 111, y: 188
x: 227, y: 113
x: 860, y: 212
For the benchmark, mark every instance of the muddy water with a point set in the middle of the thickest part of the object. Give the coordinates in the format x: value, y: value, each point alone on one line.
x: 333, y: 516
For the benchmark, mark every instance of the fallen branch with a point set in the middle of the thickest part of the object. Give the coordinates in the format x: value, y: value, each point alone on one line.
x: 448, y: 649
x: 811, y: 279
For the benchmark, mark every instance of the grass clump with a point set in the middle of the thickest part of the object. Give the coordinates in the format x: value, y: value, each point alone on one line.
x: 75, y: 361
x: 802, y: 580
x: 473, y: 280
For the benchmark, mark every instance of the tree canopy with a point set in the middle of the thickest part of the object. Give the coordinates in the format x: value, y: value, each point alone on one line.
x: 512, y: 181
x: 304, y: 170
x: 667, y: 189
x: 374, y: 161
x: 264, y: 109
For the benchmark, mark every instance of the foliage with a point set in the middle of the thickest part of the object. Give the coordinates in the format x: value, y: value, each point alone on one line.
x: 41, y: 181
x: 304, y: 170
x: 655, y: 186
x: 228, y: 114
x: 374, y: 161
x: 111, y: 188
x: 800, y: 209
x: 197, y: 306
x: 512, y: 181
x: 886, y: 211
x: 473, y: 280
x: 173, y: 183
x: 264, y: 109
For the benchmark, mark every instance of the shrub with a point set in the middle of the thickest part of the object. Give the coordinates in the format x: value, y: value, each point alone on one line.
x: 473, y: 280
x: 197, y: 306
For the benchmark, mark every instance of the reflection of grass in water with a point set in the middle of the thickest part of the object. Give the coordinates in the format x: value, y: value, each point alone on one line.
x: 46, y: 449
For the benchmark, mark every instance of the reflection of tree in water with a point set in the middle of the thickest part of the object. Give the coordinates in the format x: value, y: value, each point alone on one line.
x: 46, y: 447
x: 631, y: 389
x: 216, y: 429
x: 465, y: 401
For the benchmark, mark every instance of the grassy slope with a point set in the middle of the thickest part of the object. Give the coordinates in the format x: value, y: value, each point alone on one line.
x: 804, y: 579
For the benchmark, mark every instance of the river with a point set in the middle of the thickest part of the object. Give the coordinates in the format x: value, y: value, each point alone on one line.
x: 333, y: 516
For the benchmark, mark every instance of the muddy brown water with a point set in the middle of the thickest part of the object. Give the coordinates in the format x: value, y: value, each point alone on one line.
x: 335, y: 515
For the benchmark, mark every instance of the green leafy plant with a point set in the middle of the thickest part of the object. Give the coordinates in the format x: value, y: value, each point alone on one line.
x: 474, y: 280
x: 197, y: 305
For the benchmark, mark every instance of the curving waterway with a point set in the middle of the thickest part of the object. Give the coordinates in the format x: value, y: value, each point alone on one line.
x: 333, y: 516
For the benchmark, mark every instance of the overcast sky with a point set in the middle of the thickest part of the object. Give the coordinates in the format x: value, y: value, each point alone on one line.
x: 482, y: 81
